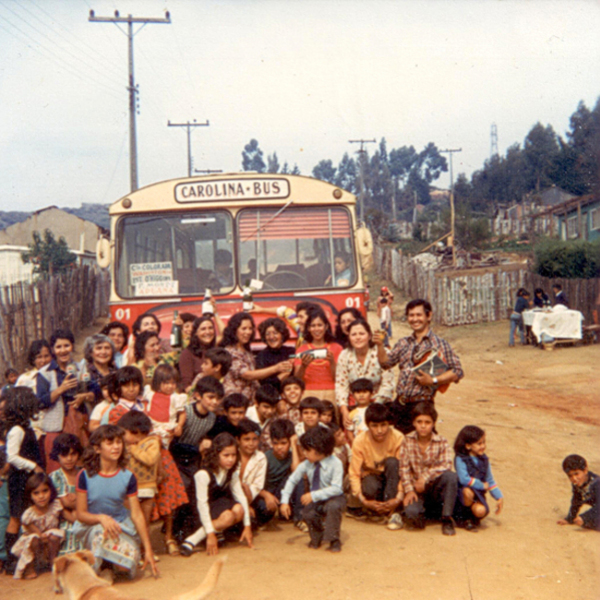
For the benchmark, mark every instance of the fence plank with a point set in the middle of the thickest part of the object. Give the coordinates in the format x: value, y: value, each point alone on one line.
x: 30, y: 311
x: 462, y: 296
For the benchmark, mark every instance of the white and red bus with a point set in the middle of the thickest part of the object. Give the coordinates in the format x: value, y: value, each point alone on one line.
x: 173, y: 240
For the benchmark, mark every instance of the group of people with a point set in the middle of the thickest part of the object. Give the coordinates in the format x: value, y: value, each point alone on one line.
x: 524, y: 302
x: 216, y: 441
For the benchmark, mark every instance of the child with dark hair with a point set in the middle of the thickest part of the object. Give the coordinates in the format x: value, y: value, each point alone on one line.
x: 430, y: 486
x: 234, y: 410
x: 474, y: 478
x: 324, y: 501
x: 374, y: 467
x: 23, y: 456
x: 328, y: 414
x: 67, y: 451
x: 199, y: 421
x: 266, y: 400
x: 586, y: 490
x: 125, y: 389
x: 41, y: 538
x: 282, y: 459
x: 342, y: 449
x: 292, y: 389
x: 142, y: 451
x: 217, y: 362
x: 10, y: 376
x: 164, y: 406
x: 253, y: 462
x: 104, y: 405
x: 219, y: 496
x: 110, y: 521
x: 362, y: 391
x: 310, y: 414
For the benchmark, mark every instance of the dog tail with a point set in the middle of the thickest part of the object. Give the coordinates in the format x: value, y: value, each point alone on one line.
x: 208, y: 583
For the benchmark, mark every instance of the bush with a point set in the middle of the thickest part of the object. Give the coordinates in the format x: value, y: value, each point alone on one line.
x: 569, y: 260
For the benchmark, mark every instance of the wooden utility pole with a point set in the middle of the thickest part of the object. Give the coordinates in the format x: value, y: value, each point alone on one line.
x: 451, y: 240
x: 132, y: 87
x: 361, y: 188
x: 189, y: 126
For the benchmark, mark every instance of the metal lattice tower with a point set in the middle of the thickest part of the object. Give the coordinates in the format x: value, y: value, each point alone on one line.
x: 494, y: 141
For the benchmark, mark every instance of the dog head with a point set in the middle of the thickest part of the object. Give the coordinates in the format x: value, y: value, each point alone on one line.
x: 62, y: 563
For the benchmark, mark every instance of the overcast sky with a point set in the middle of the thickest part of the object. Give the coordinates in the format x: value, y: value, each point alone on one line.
x: 302, y: 77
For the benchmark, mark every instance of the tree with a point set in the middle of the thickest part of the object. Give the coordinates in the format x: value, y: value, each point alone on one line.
x: 325, y: 171
x: 252, y: 157
x: 541, y: 150
x: 296, y: 170
x: 49, y: 257
x: 346, y: 174
x: 272, y: 163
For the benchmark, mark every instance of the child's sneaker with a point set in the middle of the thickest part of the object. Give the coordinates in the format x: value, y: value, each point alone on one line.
x: 395, y: 522
x: 302, y: 526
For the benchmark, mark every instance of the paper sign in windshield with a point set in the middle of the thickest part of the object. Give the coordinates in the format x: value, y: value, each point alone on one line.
x: 157, y: 288
x: 150, y: 272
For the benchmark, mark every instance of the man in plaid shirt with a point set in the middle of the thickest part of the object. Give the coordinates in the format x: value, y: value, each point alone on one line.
x: 417, y: 386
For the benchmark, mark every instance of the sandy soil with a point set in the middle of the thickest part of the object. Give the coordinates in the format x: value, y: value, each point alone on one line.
x: 536, y: 407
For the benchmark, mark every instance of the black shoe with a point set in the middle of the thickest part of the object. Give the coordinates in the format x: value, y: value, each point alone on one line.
x: 186, y: 549
x: 448, y: 527
x: 471, y: 526
x: 415, y: 523
x: 314, y: 544
x: 335, y: 546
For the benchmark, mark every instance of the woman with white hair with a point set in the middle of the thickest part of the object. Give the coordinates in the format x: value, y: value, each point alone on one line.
x: 98, y: 362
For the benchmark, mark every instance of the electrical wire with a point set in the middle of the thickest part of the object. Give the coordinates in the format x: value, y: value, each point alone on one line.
x: 53, y: 42
x: 58, y: 60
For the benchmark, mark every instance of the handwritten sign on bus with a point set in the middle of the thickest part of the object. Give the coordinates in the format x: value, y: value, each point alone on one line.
x: 219, y: 190
x: 150, y: 272
x: 157, y: 288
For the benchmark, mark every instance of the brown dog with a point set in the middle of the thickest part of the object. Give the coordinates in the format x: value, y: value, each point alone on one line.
x: 74, y: 576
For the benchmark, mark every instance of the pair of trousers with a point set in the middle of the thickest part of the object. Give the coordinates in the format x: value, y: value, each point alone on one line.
x: 382, y: 486
x: 436, y: 501
x: 324, y: 519
x: 516, y: 322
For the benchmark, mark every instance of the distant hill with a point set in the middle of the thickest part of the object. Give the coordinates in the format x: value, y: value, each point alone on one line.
x: 10, y: 217
x: 96, y: 213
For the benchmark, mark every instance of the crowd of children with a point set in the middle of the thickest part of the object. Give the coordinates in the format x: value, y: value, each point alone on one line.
x: 214, y: 466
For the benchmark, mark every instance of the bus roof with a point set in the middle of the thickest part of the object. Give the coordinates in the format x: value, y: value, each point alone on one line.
x: 231, y: 190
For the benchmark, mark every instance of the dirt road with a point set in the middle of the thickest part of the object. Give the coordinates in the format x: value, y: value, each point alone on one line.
x: 536, y: 407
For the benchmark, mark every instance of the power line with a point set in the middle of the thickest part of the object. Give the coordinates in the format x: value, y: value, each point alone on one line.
x: 133, y: 90
x: 55, y: 58
x: 94, y: 54
x: 38, y: 31
x: 189, y: 126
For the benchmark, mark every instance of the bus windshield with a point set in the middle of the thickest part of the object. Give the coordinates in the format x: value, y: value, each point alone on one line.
x: 174, y: 254
x: 296, y: 248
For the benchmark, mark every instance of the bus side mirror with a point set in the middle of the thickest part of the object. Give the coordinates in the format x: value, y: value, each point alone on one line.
x: 103, y: 252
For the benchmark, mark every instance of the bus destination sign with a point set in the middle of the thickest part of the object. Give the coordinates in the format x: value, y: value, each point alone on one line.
x: 232, y: 189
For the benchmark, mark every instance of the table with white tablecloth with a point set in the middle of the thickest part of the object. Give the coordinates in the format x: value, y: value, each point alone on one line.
x: 558, y: 323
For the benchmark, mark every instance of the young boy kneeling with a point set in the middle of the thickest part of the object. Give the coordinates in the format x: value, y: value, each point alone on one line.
x: 375, y: 466
x: 586, y: 490
x: 324, y: 503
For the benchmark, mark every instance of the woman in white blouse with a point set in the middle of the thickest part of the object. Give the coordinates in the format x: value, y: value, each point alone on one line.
x: 357, y: 361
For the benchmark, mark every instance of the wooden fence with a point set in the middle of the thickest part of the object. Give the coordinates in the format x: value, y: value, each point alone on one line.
x: 31, y: 311
x: 479, y: 294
